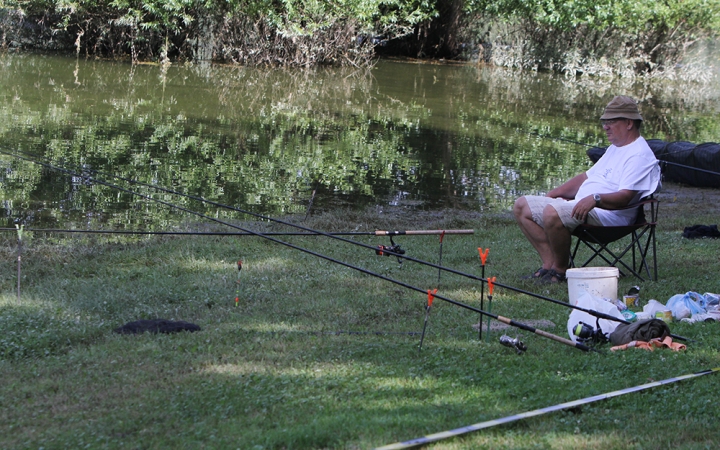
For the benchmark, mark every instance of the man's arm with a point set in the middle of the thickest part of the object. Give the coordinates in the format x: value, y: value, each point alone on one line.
x: 612, y: 200
x: 568, y: 189
x: 616, y: 200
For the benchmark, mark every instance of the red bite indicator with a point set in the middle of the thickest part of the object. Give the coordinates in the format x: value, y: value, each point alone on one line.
x: 491, y: 285
x: 483, y: 255
x: 431, y: 296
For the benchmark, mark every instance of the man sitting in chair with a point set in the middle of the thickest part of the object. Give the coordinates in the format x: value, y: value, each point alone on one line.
x: 627, y: 172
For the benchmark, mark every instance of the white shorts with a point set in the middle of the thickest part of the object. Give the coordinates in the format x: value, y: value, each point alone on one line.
x: 537, y: 204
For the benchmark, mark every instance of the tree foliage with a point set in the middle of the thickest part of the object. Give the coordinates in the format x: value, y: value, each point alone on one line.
x: 632, y: 16
x: 645, y: 34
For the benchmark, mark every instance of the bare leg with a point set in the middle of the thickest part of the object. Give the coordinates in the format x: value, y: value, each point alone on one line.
x: 533, y: 232
x: 559, y: 239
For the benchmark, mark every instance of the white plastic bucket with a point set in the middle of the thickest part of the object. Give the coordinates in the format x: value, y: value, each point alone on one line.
x: 597, y: 281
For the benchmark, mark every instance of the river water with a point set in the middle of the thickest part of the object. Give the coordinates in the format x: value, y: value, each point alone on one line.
x: 86, y: 143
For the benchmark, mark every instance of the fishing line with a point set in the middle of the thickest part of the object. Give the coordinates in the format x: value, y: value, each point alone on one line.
x: 545, y: 136
x: 312, y: 197
x: 537, y: 412
x: 85, y: 175
x: 310, y: 230
x: 689, y: 167
x: 505, y: 320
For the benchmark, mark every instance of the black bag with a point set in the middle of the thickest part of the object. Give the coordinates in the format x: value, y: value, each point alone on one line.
x: 701, y: 231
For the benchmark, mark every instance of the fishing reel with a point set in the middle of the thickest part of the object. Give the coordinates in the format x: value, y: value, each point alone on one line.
x: 515, y: 343
x: 382, y: 250
x: 589, y: 335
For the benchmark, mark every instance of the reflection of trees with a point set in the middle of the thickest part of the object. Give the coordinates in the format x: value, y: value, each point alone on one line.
x: 264, y: 139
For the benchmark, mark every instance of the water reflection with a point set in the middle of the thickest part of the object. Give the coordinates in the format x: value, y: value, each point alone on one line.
x: 416, y: 135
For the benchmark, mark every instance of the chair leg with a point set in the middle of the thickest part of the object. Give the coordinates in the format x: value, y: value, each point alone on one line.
x: 642, y: 246
x: 598, y: 252
x: 648, y: 248
x: 654, y: 250
x: 598, y: 249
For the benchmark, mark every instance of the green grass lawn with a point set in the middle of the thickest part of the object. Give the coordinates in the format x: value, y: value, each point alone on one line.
x: 317, y: 355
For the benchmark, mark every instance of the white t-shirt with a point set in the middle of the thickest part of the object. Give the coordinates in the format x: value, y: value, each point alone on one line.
x: 633, y: 167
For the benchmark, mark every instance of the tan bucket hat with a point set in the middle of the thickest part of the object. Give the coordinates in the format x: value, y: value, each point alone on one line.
x: 622, y: 107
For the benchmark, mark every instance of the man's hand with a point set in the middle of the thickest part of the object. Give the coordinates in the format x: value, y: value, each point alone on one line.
x: 583, y: 207
x: 613, y: 200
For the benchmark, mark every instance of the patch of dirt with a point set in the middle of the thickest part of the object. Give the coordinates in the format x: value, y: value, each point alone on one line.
x: 676, y: 199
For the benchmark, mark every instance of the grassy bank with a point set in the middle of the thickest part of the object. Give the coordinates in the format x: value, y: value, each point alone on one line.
x: 317, y: 355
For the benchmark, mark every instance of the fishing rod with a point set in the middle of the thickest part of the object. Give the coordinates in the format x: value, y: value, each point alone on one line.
x: 269, y: 233
x: 503, y: 319
x: 386, y: 250
x: 537, y: 412
x: 711, y: 172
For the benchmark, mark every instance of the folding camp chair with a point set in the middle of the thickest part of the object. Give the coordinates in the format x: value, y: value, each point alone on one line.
x: 641, y: 244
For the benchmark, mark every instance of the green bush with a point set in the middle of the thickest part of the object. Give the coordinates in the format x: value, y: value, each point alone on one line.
x: 299, y: 32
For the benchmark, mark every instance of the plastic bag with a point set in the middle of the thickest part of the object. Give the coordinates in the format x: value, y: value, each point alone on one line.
x: 712, y: 301
x: 685, y: 305
x: 587, y: 301
x: 653, y: 306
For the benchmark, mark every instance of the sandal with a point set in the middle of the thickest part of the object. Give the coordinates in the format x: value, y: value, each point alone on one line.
x: 537, y: 274
x: 553, y: 277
